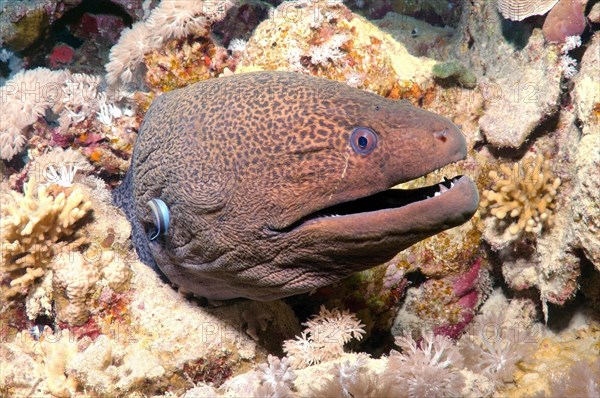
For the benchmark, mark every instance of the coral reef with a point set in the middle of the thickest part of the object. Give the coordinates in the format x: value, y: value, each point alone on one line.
x: 564, y: 20
x: 434, y: 12
x: 556, y: 368
x: 24, y: 23
x: 454, y: 69
x: 521, y: 200
x: 424, y: 369
x: 328, y: 40
x: 323, y: 338
x: 594, y: 15
x: 87, y: 117
x: 445, y: 305
x: 420, y: 38
x: 171, y: 19
x: 182, y: 62
x: 80, y: 315
x: 23, y: 101
x: 517, y: 103
x: 55, y: 248
x: 148, y: 345
x: 35, y: 226
x: 519, y: 10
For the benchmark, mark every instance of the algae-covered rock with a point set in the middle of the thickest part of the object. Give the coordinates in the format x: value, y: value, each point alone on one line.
x: 25, y: 22
x: 28, y: 29
x: 457, y: 71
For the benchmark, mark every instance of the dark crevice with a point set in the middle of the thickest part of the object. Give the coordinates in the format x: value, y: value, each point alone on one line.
x: 548, y: 125
x: 59, y: 31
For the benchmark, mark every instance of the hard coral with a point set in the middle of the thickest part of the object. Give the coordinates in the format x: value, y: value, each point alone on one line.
x: 564, y: 20
x: 517, y: 10
x: 34, y: 227
x: 522, y: 199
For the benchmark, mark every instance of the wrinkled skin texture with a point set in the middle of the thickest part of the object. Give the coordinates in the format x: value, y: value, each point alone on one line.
x: 242, y: 163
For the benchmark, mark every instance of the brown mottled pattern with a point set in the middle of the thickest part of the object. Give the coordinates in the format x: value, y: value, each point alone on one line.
x: 240, y: 159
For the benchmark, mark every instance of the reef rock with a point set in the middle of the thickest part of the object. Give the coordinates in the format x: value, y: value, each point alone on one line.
x: 154, y: 338
x: 586, y: 96
x: 328, y: 40
x: 521, y: 87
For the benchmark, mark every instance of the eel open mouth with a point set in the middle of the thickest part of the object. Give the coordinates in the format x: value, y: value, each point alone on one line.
x: 450, y: 202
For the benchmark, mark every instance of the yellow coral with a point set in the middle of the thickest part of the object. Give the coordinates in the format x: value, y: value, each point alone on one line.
x: 182, y: 62
x: 523, y: 196
x: 34, y: 227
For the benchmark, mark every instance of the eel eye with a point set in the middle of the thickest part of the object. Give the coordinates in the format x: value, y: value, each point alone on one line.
x: 363, y: 140
x: 161, y: 215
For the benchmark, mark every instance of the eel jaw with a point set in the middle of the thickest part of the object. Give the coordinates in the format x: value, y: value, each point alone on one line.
x: 422, y: 211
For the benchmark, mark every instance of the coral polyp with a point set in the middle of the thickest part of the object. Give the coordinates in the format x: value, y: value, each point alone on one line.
x: 522, y: 198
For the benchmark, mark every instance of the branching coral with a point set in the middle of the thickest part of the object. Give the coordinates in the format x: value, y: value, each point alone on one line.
x: 34, y: 227
x: 323, y: 338
x: 522, y: 199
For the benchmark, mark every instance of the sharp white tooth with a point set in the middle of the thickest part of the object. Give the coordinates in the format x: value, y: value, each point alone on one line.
x: 437, y: 194
x: 451, y: 184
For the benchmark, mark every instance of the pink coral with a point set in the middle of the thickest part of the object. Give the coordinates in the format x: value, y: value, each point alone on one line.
x: 61, y: 55
x: 564, y: 20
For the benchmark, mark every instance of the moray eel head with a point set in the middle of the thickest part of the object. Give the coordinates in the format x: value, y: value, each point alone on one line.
x: 278, y: 183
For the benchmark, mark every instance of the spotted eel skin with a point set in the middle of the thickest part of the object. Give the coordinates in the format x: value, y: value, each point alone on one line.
x: 278, y: 183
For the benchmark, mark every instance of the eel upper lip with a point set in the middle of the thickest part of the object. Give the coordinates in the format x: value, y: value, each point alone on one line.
x: 438, y: 206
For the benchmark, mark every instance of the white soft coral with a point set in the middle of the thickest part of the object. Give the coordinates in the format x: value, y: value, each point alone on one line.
x: 428, y: 369
x: 323, y: 338
x: 171, y: 19
x: 493, y: 348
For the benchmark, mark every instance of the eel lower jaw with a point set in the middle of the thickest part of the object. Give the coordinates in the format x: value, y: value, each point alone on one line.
x: 396, y: 211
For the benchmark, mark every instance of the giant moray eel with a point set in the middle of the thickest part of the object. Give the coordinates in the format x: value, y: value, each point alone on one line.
x: 277, y: 183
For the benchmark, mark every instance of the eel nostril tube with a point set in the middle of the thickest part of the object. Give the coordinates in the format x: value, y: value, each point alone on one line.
x: 441, y: 135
